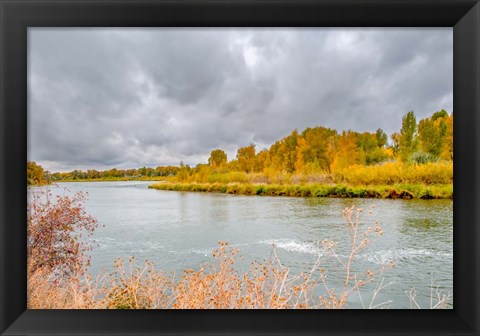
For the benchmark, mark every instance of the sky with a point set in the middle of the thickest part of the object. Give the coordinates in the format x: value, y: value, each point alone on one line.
x: 128, y: 98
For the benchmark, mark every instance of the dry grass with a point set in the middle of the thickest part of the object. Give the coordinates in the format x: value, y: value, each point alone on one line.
x: 438, y: 299
x: 45, y: 291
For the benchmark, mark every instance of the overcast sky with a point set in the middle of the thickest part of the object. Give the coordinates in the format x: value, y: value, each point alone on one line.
x: 127, y: 98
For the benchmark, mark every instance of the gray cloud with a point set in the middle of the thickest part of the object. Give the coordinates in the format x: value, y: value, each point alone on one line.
x: 102, y: 98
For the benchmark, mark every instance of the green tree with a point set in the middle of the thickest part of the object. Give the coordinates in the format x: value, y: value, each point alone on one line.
x: 381, y: 138
x: 439, y: 114
x: 290, y: 151
x: 408, y: 136
x: 431, y: 135
x: 372, y: 146
x: 320, y: 147
x: 143, y: 171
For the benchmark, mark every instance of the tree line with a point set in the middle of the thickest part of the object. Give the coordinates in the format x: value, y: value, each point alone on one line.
x: 324, y: 150
x: 36, y: 175
x: 91, y: 174
x: 315, y: 150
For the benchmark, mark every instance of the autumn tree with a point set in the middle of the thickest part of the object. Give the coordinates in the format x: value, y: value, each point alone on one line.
x: 347, y: 152
x: 275, y: 157
x: 447, y: 150
x: 246, y: 158
x: 302, y: 145
x: 165, y: 171
x: 319, y: 148
x: 35, y: 174
x: 283, y: 153
x: 202, y: 172
x: 183, y: 172
x: 217, y: 159
x: 92, y: 174
x: 261, y: 160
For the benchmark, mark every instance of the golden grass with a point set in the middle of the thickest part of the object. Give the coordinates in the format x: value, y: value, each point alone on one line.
x: 397, y: 173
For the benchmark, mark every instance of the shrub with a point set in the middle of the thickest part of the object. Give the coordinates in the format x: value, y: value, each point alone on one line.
x: 260, y: 190
x: 55, y: 229
x: 423, y: 158
x: 228, y: 177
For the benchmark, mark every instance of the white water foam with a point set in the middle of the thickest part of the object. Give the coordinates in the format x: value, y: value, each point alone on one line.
x: 132, y: 246
x: 386, y: 256
x: 293, y: 245
x: 286, y: 244
x: 202, y: 251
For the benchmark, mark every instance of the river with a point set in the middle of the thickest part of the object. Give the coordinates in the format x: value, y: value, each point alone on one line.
x: 179, y: 230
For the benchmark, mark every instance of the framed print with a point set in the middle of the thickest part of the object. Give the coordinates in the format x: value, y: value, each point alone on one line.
x: 261, y: 167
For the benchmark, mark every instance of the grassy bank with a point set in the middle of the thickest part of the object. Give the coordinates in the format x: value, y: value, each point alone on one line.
x: 405, y: 191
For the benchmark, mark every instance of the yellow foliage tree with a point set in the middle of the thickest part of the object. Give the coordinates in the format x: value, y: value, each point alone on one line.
x: 347, y: 152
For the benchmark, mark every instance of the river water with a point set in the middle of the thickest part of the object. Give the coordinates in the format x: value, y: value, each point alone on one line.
x: 179, y: 230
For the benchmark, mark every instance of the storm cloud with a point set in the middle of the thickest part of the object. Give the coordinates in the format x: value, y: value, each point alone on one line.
x: 126, y: 98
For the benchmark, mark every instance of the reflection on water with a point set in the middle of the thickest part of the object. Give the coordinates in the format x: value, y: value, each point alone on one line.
x: 179, y: 230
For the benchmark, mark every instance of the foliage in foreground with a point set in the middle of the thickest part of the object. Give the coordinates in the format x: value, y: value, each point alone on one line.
x: 61, y: 283
x: 55, y: 230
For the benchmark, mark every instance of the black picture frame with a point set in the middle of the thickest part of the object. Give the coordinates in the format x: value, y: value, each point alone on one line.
x: 17, y: 15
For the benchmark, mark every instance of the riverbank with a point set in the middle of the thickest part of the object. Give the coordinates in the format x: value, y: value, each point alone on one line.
x: 113, y: 179
x: 402, y: 191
